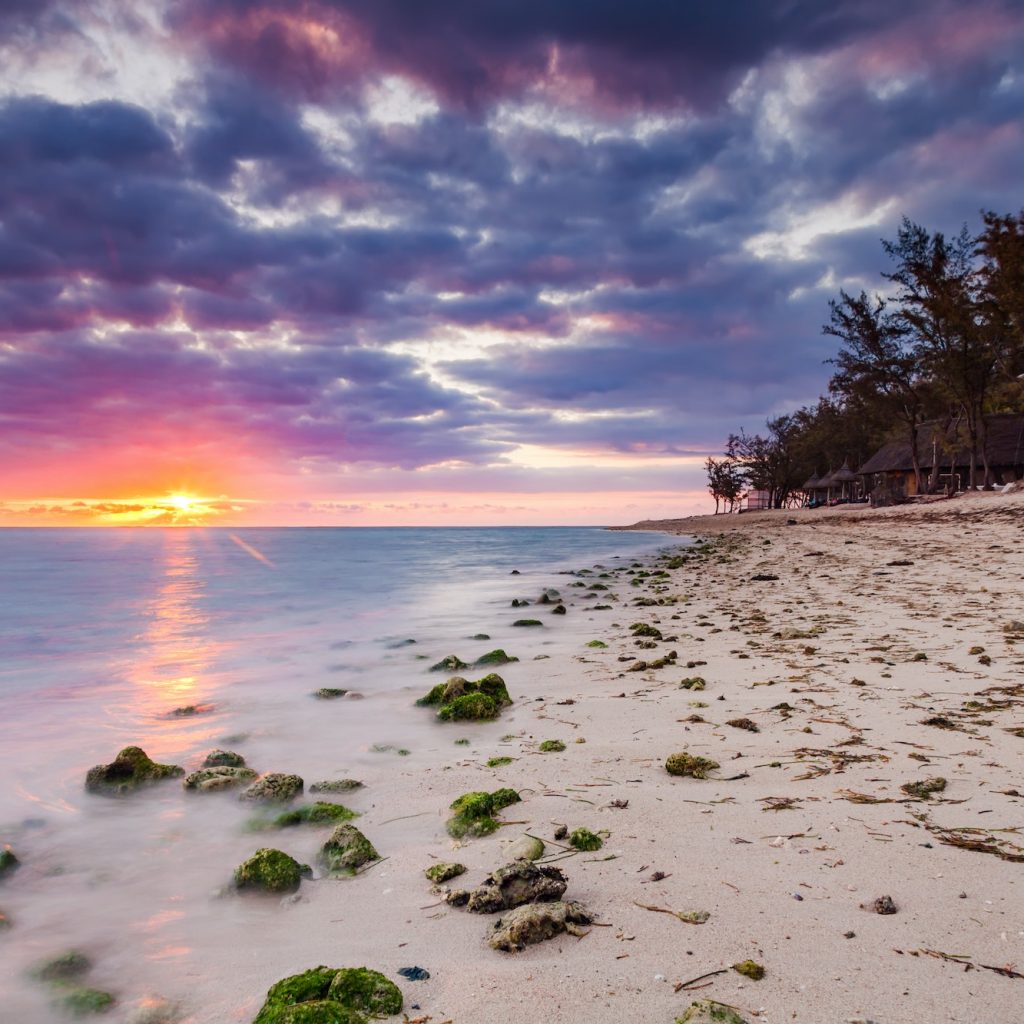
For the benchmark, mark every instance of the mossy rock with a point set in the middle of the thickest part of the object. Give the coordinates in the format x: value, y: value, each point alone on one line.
x: 271, y: 871
x: 469, y: 707
x: 130, y: 770
x: 559, y: 609
x: 206, y: 780
x: 693, y: 683
x: 495, y: 657
x: 474, y: 812
x: 452, y: 663
x: 689, y: 765
x: 499, y: 762
x: 643, y: 629
x: 551, y: 747
x: 527, y: 623
x: 707, y: 1011
x: 584, y: 839
x: 329, y: 693
x: 8, y: 862
x: 347, y: 850
x: 444, y: 872
x: 223, y: 759
x: 330, y: 995
x: 335, y: 786
x: 274, y: 787
x: 749, y: 969
x: 598, y: 644
x: 923, y: 790
x: 67, y: 967
x: 461, y: 699
x: 320, y: 813
x: 82, y: 1001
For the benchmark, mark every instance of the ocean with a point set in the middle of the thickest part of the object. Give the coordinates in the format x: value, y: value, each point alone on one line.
x: 105, y: 633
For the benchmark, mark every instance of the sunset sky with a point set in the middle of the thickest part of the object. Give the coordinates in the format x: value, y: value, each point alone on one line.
x: 468, y: 261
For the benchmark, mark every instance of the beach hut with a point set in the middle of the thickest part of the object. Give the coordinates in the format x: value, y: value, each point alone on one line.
x: 813, y: 489
x: 845, y: 481
x: 944, y: 459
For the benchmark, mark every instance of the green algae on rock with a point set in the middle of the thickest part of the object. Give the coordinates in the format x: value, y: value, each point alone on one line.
x: 460, y: 699
x: 81, y: 1001
x: 271, y: 871
x: 450, y: 664
x: 65, y: 967
x: 474, y: 812
x: 346, y: 851
x: 924, y: 789
x: 444, y: 872
x: 749, y: 969
x: 320, y: 813
x: 335, y: 786
x: 526, y: 623
x: 499, y: 762
x: 693, y: 683
x: 329, y: 693
x: 689, y: 765
x: 469, y: 707
x: 8, y: 862
x: 223, y: 759
x: 536, y: 922
x: 643, y: 629
x: 330, y: 995
x: 512, y: 886
x: 495, y: 657
x: 551, y: 747
x: 599, y: 644
x: 131, y: 769
x: 585, y: 840
x: 274, y: 787
x: 707, y: 1011
x: 206, y: 780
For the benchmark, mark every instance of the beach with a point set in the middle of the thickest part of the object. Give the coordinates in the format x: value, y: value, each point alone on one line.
x: 855, y: 652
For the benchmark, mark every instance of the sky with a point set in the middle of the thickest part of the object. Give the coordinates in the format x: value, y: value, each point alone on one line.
x: 387, y: 262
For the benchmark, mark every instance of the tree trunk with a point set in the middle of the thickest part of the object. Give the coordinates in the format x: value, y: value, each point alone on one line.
x: 914, y: 460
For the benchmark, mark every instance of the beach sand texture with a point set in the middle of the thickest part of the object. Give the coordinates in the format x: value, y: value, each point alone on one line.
x: 864, y: 627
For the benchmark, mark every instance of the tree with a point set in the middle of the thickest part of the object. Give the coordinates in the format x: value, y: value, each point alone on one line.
x: 952, y: 338
x: 724, y: 482
x: 875, y: 366
x: 1001, y: 247
x: 768, y: 462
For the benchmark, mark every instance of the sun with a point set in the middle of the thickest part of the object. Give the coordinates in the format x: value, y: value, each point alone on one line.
x: 184, y: 502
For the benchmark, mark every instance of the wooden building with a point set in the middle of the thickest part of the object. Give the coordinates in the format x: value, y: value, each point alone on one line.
x: 944, y: 459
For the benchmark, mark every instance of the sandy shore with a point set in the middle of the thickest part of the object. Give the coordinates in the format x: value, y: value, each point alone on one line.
x: 871, y: 624
x: 788, y: 858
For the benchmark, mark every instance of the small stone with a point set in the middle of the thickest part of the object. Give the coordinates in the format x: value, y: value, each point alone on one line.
x: 335, y: 786
x: 707, y: 1011
x: 444, y: 872
x: 207, y: 780
x: 223, y: 759
x: 329, y: 693
x: 274, y: 787
x: 8, y: 862
x: 884, y: 905
x: 689, y: 765
x: 749, y: 969
x: 347, y: 850
x: 525, y: 848
x: 536, y: 922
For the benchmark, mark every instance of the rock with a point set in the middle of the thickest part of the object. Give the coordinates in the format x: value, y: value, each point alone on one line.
x: 130, y: 770
x: 584, y: 839
x: 884, y: 905
x: 473, y: 707
x: 330, y: 995
x: 335, y: 786
x: 271, y: 871
x: 461, y: 699
x: 511, y: 886
x: 924, y: 789
x: 536, y: 922
x: 474, y: 812
x: 8, y: 862
x: 320, y: 813
x: 414, y: 973
x: 223, y: 759
x: 444, y: 872
x: 495, y: 657
x: 81, y: 1001
x: 689, y: 765
x: 551, y: 747
x: 347, y: 850
x: 450, y: 664
x: 525, y: 848
x: 329, y: 693
x: 749, y: 969
x: 559, y: 609
x: 66, y: 967
x: 274, y: 787
x: 707, y: 1011
x: 693, y: 683
x: 743, y: 723
x: 208, y: 779
x: 643, y: 629
x: 527, y: 622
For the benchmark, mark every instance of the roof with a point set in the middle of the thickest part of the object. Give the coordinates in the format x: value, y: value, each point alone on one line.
x: 811, y: 482
x: 843, y: 475
x: 1004, y: 446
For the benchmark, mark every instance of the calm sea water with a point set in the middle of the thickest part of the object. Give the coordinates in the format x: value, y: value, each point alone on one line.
x: 103, y: 633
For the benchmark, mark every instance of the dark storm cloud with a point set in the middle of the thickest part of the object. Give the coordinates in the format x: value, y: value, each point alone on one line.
x: 649, y: 203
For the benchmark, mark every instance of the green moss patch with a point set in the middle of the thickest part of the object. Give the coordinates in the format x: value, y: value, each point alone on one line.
x: 474, y: 812
x: 453, y: 663
x: 330, y: 995
x: 551, y: 747
x: 272, y: 871
x: 320, y: 813
x: 495, y: 657
x: 527, y: 623
x: 444, y: 872
x: 464, y: 700
x: 347, y: 850
x: 688, y: 765
x: 584, y: 839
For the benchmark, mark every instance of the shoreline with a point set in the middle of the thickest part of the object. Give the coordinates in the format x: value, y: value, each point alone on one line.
x: 823, y: 659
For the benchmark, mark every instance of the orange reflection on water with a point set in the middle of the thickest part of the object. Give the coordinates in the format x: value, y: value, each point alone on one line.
x: 175, y: 667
